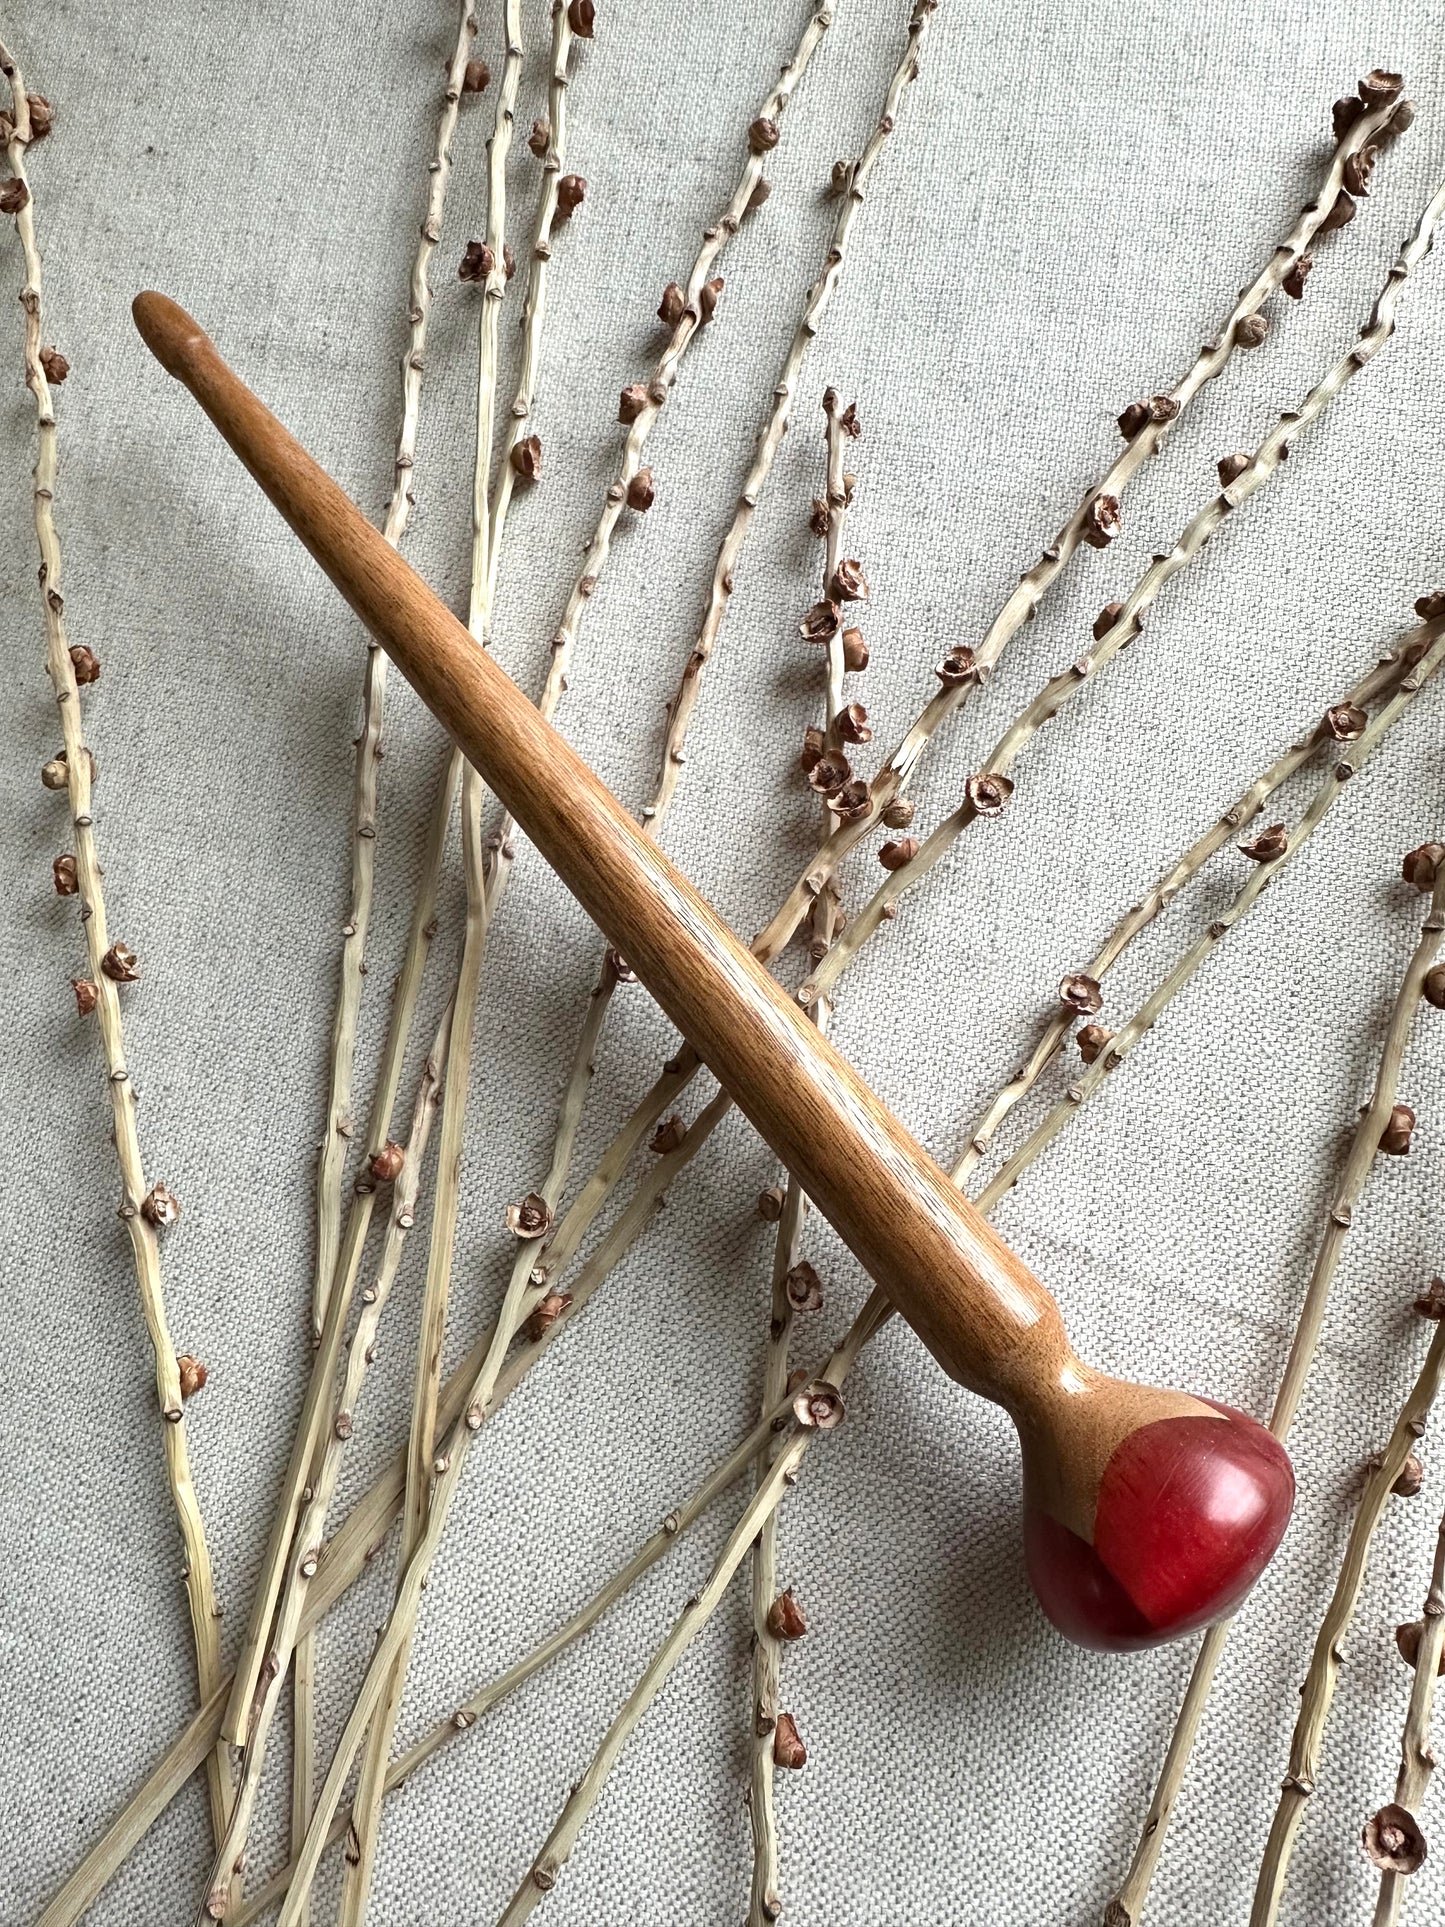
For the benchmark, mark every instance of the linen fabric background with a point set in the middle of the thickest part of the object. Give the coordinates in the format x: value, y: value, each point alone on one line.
x: 1071, y: 198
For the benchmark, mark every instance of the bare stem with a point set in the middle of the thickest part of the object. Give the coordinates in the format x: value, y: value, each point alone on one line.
x: 1126, y: 1906
x: 201, y: 1600
x: 1023, y: 602
x: 1417, y: 1762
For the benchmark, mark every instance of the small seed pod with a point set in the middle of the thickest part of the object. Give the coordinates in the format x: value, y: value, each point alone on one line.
x: 898, y: 856
x: 1102, y: 521
x: 160, y: 1207
x: 540, y: 138
x: 640, y: 492
x: 1407, y: 1640
x: 1140, y: 414
x: 55, y: 365
x: 1392, y: 1838
x: 1080, y: 992
x: 958, y: 666
x: 804, y: 1288
x: 582, y: 18
x: 851, y: 803
x: 475, y: 77
x: 63, y: 870
x: 785, y: 1617
x: 1427, y: 607
x: 509, y: 261
x: 526, y: 458
x: 818, y: 516
x: 14, y: 195
x: 1395, y: 1138
x: 855, y: 651
x: 192, y: 1373
x: 477, y: 262
x: 849, y: 583
x: 1106, y: 618
x: 770, y: 1204
x: 853, y: 724
x: 54, y: 774
x: 571, y: 193
x: 1421, y: 866
x: 788, y: 1748
x: 385, y: 1166
x: 631, y: 402
x: 1268, y: 845
x: 839, y: 176
x: 120, y: 964
x: 1250, y: 332
x: 1400, y: 122
x: 1433, y: 988
x: 1411, y: 1479
x: 1346, y: 722
x: 819, y: 1406
x: 42, y: 116
x: 1379, y: 87
x: 763, y: 135
x: 988, y: 793
x: 668, y: 1135
x: 815, y: 741
x: 1345, y: 113
x: 761, y: 190
x: 619, y: 967
x: 899, y: 813
x: 84, y: 665
x: 831, y: 771
x: 1231, y: 467
x: 1358, y: 169
x: 820, y: 624
x: 545, y: 1316
x: 707, y: 299
x: 1093, y: 1040
x: 86, y: 995
x: 672, y: 305
x: 1431, y: 1302
x: 1340, y: 215
x: 530, y: 1217
x: 1294, y: 282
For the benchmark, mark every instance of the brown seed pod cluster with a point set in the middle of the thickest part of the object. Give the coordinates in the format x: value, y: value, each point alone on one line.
x: 1407, y: 1640
x: 1411, y: 1478
x: 852, y: 724
x: 86, y: 995
x: 1268, y: 845
x: 1093, y: 1040
x: 1294, y: 282
x: 160, y: 1207
x: 830, y: 773
x: 66, y: 877
x: 820, y: 624
x: 640, y: 491
x: 385, y: 1165
x: 1141, y: 414
x: 788, y: 1748
x: 84, y: 666
x: 1433, y: 988
x: 852, y: 802
x: 1103, y: 520
x: 55, y: 365
x: 672, y: 306
x: 571, y: 193
x: 1346, y: 722
x: 1400, y: 1128
x: 708, y: 296
x: 1340, y: 215
x: 192, y: 1374
x: 987, y: 793
x: 545, y: 1316
x: 529, y: 1217
x: 1393, y: 1841
x: 1231, y: 467
x: 476, y: 76
x: 1106, y: 618
x: 957, y: 667
x: 1078, y: 991
x: 819, y: 1406
x: 855, y: 651
x: 1358, y: 169
x: 1427, y: 607
x: 668, y: 1136
x: 898, y: 856
x: 803, y: 1287
x: 1251, y: 331
x: 42, y: 116
x: 899, y: 813
x: 785, y: 1617
x: 849, y: 583
x: 770, y: 1204
x: 631, y: 402
x: 526, y: 458
x: 582, y: 18
x: 1421, y: 866
x: 540, y: 138
x: 476, y: 263
x: 763, y: 135
x: 121, y: 964
x: 14, y: 195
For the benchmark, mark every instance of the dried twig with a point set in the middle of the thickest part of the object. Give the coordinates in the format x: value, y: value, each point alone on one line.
x: 1126, y: 1906
x: 1128, y: 622
x: 1417, y: 1762
x: 1319, y: 1686
x: 765, y: 1901
x: 138, y: 1209
x: 1101, y: 501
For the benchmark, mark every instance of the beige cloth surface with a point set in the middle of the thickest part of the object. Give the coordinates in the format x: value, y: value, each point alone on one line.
x: 1070, y: 200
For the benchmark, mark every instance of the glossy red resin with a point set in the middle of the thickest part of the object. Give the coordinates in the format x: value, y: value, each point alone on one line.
x: 1189, y: 1514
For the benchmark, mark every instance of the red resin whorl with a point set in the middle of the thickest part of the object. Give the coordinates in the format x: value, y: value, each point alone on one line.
x: 1189, y: 1514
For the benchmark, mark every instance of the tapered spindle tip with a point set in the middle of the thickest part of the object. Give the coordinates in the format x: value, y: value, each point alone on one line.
x: 172, y: 336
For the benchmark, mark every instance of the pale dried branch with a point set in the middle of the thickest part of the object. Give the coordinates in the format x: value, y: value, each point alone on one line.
x: 205, y: 1612
x: 1417, y: 1761
x: 1023, y: 602
x: 1126, y: 1906
x: 1318, y: 1690
x: 1128, y: 622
